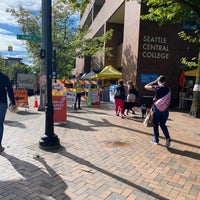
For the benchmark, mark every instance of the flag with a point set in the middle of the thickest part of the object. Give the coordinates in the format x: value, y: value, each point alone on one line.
x: 181, y: 79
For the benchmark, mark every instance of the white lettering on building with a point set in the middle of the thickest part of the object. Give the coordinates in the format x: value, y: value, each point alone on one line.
x: 155, y: 47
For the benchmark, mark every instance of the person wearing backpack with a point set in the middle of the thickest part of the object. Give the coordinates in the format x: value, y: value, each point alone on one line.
x: 119, y: 98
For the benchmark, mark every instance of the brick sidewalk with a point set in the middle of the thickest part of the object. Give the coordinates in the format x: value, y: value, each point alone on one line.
x: 103, y: 157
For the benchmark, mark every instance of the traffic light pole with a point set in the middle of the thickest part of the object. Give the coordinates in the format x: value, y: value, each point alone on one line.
x: 49, y: 140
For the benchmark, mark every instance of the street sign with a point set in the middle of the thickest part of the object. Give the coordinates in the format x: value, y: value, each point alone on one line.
x: 58, y: 87
x: 29, y: 37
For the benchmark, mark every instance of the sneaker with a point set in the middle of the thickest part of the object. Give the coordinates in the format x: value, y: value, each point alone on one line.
x: 1, y: 149
x: 154, y: 142
x: 168, y: 143
x: 122, y: 116
x: 79, y: 108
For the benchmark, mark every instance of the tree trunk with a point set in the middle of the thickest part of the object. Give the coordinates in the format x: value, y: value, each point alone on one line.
x: 195, y: 108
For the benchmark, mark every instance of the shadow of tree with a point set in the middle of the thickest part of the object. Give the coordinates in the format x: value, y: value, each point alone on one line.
x: 81, y: 161
x: 93, y: 124
x: 129, y: 63
x: 35, y: 182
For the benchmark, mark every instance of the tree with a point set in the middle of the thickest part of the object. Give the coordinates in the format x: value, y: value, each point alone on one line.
x: 180, y: 11
x: 21, y: 68
x: 15, y: 68
x: 69, y: 41
x: 3, y: 68
x: 80, y: 5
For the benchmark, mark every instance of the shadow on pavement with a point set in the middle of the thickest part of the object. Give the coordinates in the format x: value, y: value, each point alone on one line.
x: 81, y: 161
x: 105, y: 123
x: 27, y: 113
x: 184, y: 153
x: 35, y: 182
x: 14, y: 124
x: 74, y: 125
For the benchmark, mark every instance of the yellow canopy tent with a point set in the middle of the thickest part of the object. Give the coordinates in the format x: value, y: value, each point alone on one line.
x: 109, y: 72
x: 191, y: 72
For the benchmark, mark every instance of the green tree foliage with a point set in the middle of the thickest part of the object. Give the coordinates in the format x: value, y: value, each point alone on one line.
x: 21, y: 68
x: 90, y: 47
x: 15, y: 68
x: 180, y: 11
x: 3, y: 68
x: 68, y: 40
x: 80, y: 5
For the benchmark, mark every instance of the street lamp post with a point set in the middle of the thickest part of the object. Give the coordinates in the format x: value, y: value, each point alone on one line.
x: 49, y: 140
x: 54, y: 64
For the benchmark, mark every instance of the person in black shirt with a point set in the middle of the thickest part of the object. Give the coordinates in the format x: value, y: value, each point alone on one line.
x: 119, y: 98
x: 5, y: 89
x: 132, y: 95
x: 77, y: 90
x: 160, y: 108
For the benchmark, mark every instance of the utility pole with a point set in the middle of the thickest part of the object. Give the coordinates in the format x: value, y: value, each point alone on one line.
x: 49, y: 140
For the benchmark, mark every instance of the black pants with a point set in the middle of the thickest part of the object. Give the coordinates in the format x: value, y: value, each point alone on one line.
x: 78, y: 99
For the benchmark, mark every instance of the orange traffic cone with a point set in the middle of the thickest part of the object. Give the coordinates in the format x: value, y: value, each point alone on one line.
x: 35, y: 102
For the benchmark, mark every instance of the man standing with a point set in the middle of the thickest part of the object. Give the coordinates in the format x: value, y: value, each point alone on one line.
x: 5, y: 88
x: 77, y: 90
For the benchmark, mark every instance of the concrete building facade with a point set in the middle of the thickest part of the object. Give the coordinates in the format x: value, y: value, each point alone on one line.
x: 141, y: 50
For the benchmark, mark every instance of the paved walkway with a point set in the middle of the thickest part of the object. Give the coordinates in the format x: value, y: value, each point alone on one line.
x: 103, y: 157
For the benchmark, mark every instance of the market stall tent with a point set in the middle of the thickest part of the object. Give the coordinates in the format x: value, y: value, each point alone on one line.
x: 191, y: 72
x: 83, y: 76
x: 87, y: 76
x: 109, y: 72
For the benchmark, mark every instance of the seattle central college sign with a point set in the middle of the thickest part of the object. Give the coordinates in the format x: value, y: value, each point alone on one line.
x: 155, y: 47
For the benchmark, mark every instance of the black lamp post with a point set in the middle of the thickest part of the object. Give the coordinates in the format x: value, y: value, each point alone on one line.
x: 49, y: 140
x: 54, y: 64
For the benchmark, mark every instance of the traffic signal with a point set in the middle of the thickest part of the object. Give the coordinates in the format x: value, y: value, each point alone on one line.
x: 42, y: 54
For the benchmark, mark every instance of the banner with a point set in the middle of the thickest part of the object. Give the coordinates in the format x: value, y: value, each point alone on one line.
x: 21, y: 98
x: 95, y: 97
x: 60, y: 109
x: 112, y: 92
x: 71, y: 96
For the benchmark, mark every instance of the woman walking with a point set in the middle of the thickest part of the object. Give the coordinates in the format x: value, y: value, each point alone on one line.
x: 160, y: 108
x: 119, y: 98
x: 132, y: 95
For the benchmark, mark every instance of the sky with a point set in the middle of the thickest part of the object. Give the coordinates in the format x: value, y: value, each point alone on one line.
x: 9, y: 28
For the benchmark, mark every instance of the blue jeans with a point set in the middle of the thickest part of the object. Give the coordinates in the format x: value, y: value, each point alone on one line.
x: 160, y: 119
x: 3, y: 108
